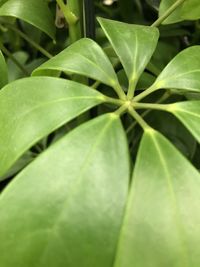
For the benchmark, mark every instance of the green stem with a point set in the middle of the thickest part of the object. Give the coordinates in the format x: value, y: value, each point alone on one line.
x: 121, y: 110
x: 114, y: 101
x: 33, y: 43
x: 164, y: 97
x: 75, y: 26
x: 167, y: 13
x: 145, y: 93
x: 131, y: 88
x: 139, y: 119
x: 119, y: 91
x: 163, y: 107
x: 8, y: 54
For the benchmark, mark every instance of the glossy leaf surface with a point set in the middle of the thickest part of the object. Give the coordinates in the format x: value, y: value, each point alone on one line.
x: 188, y: 113
x: 183, y: 72
x: 32, y: 108
x: 3, y: 71
x: 161, y: 225
x: 84, y: 57
x: 73, y: 200
x: 35, y: 12
x: 130, y: 44
x: 189, y: 10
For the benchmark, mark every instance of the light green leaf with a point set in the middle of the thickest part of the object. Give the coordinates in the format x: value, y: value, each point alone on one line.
x: 66, y: 208
x: 189, y: 10
x: 33, y: 107
x: 188, y: 113
x: 3, y: 71
x: 175, y: 15
x: 183, y: 72
x: 130, y: 44
x: 84, y: 57
x: 161, y: 224
x: 35, y: 12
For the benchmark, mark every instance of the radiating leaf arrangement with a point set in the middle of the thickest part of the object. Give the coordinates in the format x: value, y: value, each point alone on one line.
x: 77, y: 204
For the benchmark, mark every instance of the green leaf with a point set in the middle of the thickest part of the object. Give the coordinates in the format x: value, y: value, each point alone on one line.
x: 35, y: 12
x: 189, y: 10
x: 3, y: 71
x: 134, y: 45
x: 31, y: 108
x: 175, y: 15
x: 188, y: 112
x: 161, y: 224
x: 66, y: 208
x: 183, y: 72
x: 84, y: 57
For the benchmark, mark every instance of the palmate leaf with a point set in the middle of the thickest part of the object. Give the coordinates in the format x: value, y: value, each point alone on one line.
x: 189, y: 10
x: 134, y: 45
x: 71, y: 208
x: 183, y: 72
x: 161, y: 224
x: 188, y: 112
x: 31, y: 108
x: 84, y: 57
x: 3, y: 71
x: 35, y: 12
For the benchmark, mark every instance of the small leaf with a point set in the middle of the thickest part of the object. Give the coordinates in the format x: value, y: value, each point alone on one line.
x: 84, y: 57
x: 161, y: 224
x: 133, y: 44
x: 3, y: 71
x: 35, y: 12
x: 189, y: 10
x: 66, y: 208
x: 188, y: 112
x: 32, y: 108
x: 175, y: 15
x: 183, y: 72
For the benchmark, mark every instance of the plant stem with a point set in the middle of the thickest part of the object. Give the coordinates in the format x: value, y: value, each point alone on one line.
x: 163, y: 107
x: 75, y: 27
x: 139, y: 119
x: 33, y: 43
x: 165, y: 96
x: 167, y: 13
x: 114, y: 101
x: 145, y: 93
x: 121, y: 110
x: 8, y: 54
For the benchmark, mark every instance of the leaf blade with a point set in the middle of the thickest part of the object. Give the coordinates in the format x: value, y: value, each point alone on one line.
x: 3, y: 71
x: 129, y: 42
x: 162, y: 209
x: 182, y: 72
x: 86, y: 58
x: 188, y: 112
x: 36, y: 13
x: 27, y: 115
x: 82, y: 208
